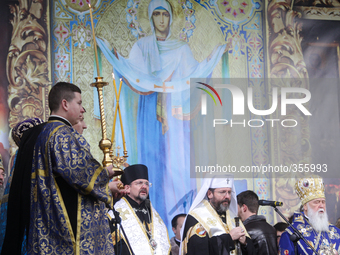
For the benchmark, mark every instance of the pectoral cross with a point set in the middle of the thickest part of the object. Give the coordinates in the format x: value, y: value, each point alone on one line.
x: 227, y: 180
x: 163, y: 87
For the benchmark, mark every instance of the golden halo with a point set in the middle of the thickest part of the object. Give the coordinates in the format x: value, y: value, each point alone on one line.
x: 178, y: 19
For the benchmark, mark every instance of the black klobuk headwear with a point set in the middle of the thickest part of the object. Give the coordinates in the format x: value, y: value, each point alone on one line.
x: 134, y: 172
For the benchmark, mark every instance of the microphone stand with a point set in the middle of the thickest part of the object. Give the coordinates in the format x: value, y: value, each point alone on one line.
x: 117, y: 221
x: 296, y: 236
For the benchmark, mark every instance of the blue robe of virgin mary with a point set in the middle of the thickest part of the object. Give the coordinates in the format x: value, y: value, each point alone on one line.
x: 160, y: 72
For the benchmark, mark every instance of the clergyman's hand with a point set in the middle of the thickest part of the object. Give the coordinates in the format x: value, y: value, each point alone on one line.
x: 116, y: 192
x: 243, y: 240
x: 237, y: 234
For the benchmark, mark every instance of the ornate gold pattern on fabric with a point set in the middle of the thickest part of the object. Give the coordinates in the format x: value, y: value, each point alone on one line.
x: 21, y: 127
x: 310, y: 188
x: 304, y: 230
x: 119, y: 237
x: 122, y: 213
x: 322, y: 241
x: 39, y: 172
x: 333, y: 233
x: 94, y: 178
x: 136, y: 233
x: 299, y: 218
x: 78, y: 225
x: 299, y: 242
x: 28, y: 61
x: 50, y: 226
x: 211, y: 222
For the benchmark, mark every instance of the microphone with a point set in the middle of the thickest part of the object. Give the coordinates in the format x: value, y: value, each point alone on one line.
x: 237, y: 221
x: 270, y: 203
x: 238, y: 246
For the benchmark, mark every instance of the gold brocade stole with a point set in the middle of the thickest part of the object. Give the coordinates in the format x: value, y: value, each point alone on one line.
x: 136, y: 233
x: 207, y: 216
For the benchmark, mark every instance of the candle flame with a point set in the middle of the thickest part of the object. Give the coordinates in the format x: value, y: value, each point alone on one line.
x: 113, y: 75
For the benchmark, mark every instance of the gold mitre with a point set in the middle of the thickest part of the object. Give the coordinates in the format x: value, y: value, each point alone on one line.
x: 310, y: 188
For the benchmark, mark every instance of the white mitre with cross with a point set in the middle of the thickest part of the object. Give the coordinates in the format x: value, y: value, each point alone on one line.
x: 226, y: 181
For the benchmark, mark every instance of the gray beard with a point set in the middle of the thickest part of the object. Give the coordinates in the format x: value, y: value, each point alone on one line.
x: 143, y: 197
x: 222, y: 208
x: 318, y: 221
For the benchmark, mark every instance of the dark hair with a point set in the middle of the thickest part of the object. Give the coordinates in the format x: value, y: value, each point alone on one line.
x: 212, y: 190
x: 250, y: 199
x: 174, y: 219
x: 281, y: 226
x: 60, y: 91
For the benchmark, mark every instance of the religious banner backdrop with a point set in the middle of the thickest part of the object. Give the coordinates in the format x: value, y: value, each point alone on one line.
x: 155, y: 60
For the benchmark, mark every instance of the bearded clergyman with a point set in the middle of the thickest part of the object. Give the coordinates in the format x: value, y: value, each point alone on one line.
x: 142, y: 231
x: 312, y: 222
x: 212, y: 226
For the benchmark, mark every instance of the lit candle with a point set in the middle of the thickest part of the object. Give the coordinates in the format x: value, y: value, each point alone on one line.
x: 94, y: 42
